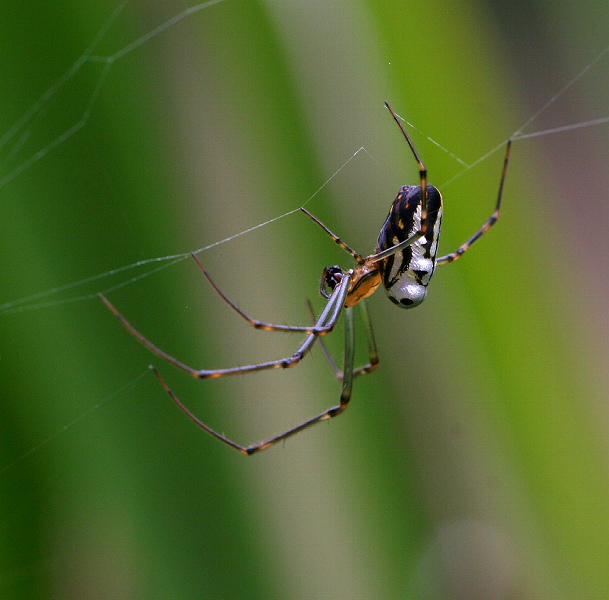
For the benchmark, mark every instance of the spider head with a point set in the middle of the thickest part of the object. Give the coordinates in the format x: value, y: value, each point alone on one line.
x: 365, y: 279
x: 330, y: 278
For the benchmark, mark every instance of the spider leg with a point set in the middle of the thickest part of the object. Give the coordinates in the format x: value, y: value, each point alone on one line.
x: 358, y: 257
x: 255, y: 322
x: 489, y: 223
x: 372, y: 258
x: 372, y: 349
x: 327, y: 414
x: 422, y: 171
x: 327, y: 355
x: 326, y: 322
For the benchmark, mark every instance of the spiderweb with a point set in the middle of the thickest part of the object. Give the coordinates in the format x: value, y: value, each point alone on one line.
x: 20, y: 157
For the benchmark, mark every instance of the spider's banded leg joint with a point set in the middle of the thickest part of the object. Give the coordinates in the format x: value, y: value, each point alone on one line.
x: 459, y: 252
x: 358, y: 257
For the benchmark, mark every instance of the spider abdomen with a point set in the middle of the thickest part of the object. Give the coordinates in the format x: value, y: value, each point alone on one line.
x: 407, y: 272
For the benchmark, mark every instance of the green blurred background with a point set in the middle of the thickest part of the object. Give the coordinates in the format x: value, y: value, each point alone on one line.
x: 472, y: 464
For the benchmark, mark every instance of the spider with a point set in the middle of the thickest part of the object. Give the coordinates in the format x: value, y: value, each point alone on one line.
x: 404, y: 261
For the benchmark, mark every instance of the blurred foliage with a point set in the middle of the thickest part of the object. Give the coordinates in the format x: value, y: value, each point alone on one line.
x: 472, y: 464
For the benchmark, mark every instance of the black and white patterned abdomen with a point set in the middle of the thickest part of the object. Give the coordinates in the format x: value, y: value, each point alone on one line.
x: 407, y: 272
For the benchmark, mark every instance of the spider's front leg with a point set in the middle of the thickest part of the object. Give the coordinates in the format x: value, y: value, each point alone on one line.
x: 326, y: 323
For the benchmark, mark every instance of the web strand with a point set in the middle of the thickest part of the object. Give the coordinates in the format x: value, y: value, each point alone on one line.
x: 37, y: 302
x: 18, y: 134
x: 520, y: 134
x: 81, y: 417
x: 86, y: 57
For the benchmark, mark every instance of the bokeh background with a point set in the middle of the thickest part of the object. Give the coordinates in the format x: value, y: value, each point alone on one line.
x: 472, y: 464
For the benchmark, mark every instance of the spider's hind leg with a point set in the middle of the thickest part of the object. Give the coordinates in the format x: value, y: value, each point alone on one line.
x: 372, y: 349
